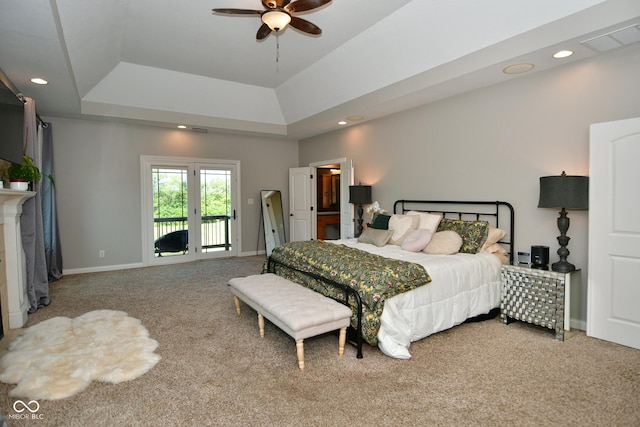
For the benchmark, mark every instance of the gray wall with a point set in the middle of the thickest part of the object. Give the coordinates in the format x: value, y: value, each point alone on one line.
x: 494, y: 144
x: 97, y: 171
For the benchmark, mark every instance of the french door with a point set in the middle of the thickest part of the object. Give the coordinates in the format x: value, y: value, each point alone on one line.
x: 189, y: 209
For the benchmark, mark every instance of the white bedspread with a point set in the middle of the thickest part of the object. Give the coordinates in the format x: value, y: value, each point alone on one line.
x: 462, y: 286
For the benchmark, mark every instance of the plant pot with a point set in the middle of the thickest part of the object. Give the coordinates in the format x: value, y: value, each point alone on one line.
x: 21, y: 185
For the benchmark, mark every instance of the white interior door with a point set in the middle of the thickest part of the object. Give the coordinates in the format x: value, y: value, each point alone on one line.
x: 346, y: 208
x: 614, y: 233
x: 300, y: 198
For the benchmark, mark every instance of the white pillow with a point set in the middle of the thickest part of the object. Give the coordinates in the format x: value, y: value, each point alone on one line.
x: 416, y: 240
x: 428, y: 220
x: 401, y: 225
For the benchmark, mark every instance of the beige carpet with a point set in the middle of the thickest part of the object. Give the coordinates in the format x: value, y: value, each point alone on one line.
x: 216, y: 370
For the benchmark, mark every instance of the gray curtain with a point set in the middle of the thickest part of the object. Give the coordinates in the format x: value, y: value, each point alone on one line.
x: 31, y: 220
x: 52, y: 250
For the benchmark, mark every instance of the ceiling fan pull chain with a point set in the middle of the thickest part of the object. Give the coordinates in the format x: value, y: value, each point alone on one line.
x: 277, y: 48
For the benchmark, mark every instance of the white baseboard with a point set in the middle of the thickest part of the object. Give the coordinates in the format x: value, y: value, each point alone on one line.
x: 578, y: 324
x: 253, y: 253
x: 135, y: 265
x: 101, y: 268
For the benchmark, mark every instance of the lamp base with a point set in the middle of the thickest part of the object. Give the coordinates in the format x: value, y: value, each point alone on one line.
x: 563, y: 267
x: 360, y: 221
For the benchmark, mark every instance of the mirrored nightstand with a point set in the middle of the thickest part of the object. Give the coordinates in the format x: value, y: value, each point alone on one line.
x: 540, y: 297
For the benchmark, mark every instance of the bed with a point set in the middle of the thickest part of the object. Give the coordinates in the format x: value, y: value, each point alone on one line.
x: 399, y: 294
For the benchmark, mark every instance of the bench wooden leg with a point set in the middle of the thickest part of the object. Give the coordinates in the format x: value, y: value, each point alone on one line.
x: 300, y: 350
x: 342, y: 340
x: 261, y: 324
x: 236, y: 301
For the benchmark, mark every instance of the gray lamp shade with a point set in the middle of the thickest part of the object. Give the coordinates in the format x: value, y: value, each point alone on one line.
x: 360, y: 194
x: 564, y: 191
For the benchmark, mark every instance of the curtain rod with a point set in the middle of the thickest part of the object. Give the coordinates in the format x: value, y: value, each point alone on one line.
x: 23, y: 98
x: 9, y: 84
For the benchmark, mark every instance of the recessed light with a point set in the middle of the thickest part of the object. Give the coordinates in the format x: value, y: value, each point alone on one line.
x: 39, y: 81
x: 518, y: 68
x: 355, y: 118
x: 342, y: 122
x: 182, y: 127
x: 563, y: 54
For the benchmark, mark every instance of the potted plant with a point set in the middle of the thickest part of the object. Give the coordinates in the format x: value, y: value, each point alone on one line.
x: 20, y: 176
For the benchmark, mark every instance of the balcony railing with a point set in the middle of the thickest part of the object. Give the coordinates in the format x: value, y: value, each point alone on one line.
x: 214, y: 231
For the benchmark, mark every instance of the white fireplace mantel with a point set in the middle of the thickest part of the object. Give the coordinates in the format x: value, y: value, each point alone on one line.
x: 13, y: 287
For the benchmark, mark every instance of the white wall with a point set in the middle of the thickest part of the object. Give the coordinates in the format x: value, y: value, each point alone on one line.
x: 494, y: 144
x: 97, y: 172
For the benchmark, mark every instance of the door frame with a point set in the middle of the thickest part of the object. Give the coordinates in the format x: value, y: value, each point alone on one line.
x: 344, y: 196
x: 146, y: 162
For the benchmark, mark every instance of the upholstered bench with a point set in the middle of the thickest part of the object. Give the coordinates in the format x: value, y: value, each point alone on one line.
x: 298, y: 311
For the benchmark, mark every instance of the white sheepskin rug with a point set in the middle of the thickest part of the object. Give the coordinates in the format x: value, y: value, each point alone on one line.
x: 59, y: 357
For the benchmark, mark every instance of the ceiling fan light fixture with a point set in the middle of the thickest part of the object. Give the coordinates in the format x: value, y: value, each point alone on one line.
x: 277, y: 20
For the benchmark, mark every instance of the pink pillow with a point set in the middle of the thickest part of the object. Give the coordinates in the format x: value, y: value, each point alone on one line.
x: 498, y: 251
x: 416, y: 240
x: 493, y: 236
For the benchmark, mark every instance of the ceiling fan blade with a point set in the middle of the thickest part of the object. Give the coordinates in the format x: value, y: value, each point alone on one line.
x: 238, y: 11
x: 302, y: 5
x: 274, y: 4
x: 263, y: 32
x: 305, y: 26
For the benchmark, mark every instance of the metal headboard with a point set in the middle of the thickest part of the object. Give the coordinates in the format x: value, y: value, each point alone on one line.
x: 498, y: 214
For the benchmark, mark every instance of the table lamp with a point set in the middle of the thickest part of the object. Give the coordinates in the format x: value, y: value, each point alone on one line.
x: 360, y: 195
x: 565, y: 192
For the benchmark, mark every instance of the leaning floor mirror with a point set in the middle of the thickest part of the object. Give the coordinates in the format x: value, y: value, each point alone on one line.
x: 273, y: 219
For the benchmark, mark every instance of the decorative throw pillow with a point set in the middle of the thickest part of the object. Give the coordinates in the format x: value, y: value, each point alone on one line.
x: 444, y: 243
x: 498, y: 251
x: 401, y: 225
x: 428, y: 220
x: 493, y: 236
x: 381, y: 222
x: 473, y: 233
x: 416, y: 240
x: 375, y: 237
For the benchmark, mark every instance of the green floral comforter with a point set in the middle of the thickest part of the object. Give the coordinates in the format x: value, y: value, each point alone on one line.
x: 374, y: 277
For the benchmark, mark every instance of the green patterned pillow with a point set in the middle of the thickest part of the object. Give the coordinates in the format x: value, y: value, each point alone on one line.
x: 473, y: 233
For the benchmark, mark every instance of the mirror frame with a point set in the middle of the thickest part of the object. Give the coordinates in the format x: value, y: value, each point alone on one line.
x: 273, y: 219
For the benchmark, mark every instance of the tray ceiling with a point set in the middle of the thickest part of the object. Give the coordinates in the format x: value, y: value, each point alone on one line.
x: 165, y: 63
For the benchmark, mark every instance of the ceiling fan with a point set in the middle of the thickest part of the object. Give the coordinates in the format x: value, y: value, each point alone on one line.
x: 279, y: 13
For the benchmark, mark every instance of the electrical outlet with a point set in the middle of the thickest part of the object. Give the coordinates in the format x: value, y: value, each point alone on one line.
x: 101, y: 253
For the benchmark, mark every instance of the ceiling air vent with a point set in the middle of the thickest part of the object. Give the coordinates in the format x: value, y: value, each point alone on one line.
x: 200, y: 130
x: 622, y: 37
